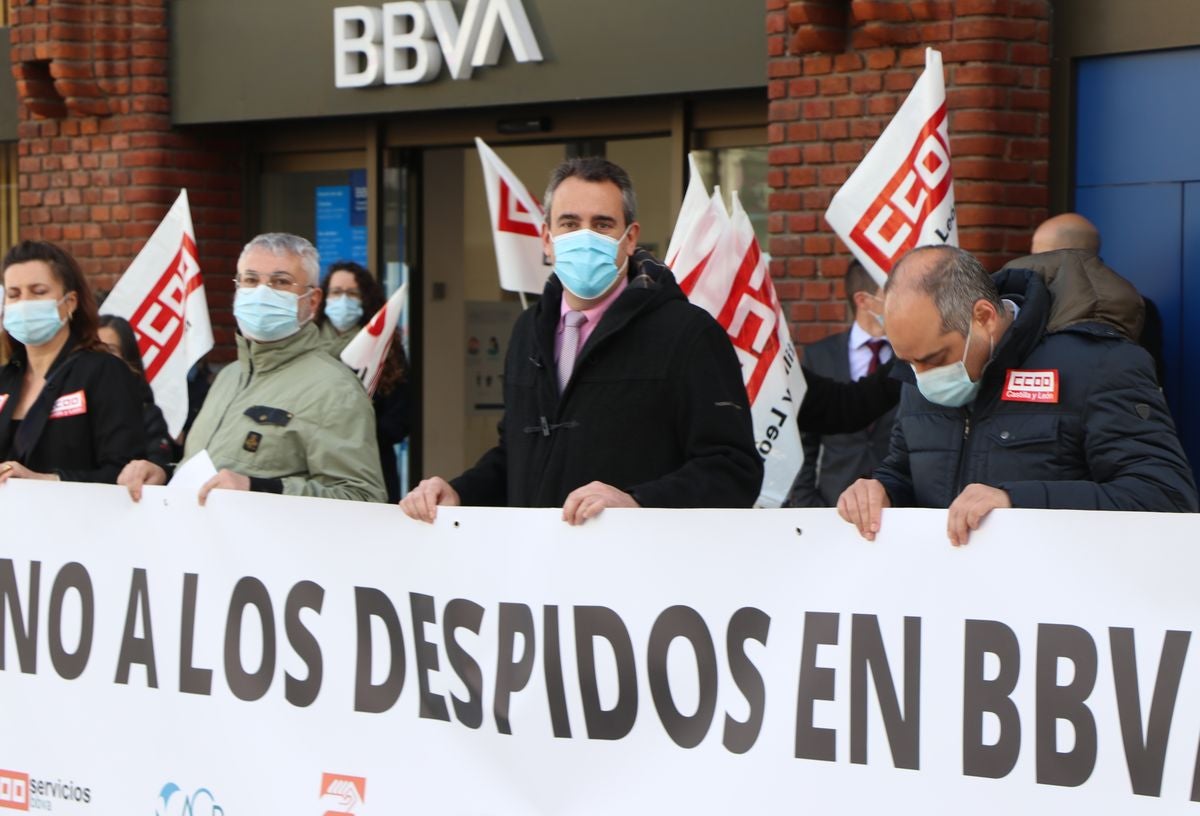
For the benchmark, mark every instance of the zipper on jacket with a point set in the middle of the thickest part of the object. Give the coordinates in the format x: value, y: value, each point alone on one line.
x: 962, y: 457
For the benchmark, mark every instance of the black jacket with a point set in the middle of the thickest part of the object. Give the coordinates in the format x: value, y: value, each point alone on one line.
x: 655, y: 407
x: 833, y: 460
x: 1107, y: 443
x: 85, y: 425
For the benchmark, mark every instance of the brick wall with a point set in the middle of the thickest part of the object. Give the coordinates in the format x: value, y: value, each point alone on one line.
x: 98, y: 161
x: 839, y: 69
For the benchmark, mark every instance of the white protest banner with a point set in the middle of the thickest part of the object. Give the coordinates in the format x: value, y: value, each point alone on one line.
x: 516, y: 226
x: 161, y: 294
x: 902, y: 193
x: 283, y: 654
x: 733, y: 284
x: 368, y: 351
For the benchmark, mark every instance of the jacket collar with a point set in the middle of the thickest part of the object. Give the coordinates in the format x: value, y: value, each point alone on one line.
x: 650, y: 285
x: 263, y: 357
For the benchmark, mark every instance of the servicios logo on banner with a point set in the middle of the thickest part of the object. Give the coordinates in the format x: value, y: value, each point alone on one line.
x: 20, y: 791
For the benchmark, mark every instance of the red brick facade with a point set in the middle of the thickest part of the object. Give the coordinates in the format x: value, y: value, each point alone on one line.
x: 839, y: 69
x: 99, y: 163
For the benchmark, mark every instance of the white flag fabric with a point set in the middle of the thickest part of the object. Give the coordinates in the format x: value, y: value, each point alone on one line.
x: 732, y: 282
x: 162, y: 296
x: 902, y: 194
x: 368, y: 350
x: 516, y: 226
x: 695, y: 205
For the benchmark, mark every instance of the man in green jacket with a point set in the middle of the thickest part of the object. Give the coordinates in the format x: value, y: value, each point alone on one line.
x: 287, y: 417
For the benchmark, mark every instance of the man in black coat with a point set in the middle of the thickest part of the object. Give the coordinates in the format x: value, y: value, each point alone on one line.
x: 1011, y: 404
x: 618, y: 392
x: 832, y: 461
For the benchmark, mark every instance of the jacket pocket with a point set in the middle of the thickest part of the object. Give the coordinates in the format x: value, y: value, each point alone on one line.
x: 1021, y: 447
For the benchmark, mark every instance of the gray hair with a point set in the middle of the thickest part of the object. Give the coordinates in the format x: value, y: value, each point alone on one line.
x: 955, y: 280
x: 594, y: 169
x: 284, y: 243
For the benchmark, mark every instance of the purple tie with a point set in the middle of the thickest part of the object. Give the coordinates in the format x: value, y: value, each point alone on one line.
x: 572, y: 321
x: 876, y: 347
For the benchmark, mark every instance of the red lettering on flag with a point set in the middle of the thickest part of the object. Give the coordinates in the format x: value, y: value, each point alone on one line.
x: 893, y: 222
x: 378, y: 322
x: 159, y: 320
x: 749, y: 317
x: 514, y: 216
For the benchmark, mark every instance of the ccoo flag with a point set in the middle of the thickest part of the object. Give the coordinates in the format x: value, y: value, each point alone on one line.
x: 902, y: 194
x: 162, y: 296
x: 516, y: 226
x: 368, y: 351
x: 732, y: 282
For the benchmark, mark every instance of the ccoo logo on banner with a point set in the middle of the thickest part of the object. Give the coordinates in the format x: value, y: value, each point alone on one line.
x: 902, y: 193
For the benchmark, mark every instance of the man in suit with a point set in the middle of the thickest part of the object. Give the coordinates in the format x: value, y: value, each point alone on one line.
x: 833, y: 462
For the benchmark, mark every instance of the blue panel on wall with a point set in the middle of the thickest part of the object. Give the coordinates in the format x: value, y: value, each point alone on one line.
x: 1190, y: 308
x: 1140, y: 228
x: 1138, y: 118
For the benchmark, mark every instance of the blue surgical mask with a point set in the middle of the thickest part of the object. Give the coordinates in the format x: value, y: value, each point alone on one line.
x: 586, y: 262
x: 265, y: 314
x: 33, y: 322
x: 343, y: 312
x: 950, y: 385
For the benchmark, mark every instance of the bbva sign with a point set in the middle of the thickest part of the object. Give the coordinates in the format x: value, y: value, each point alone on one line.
x: 403, y: 43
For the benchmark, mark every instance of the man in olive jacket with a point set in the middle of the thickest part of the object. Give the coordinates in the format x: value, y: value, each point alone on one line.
x: 287, y: 417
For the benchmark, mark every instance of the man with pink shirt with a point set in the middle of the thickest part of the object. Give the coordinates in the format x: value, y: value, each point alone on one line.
x: 618, y: 392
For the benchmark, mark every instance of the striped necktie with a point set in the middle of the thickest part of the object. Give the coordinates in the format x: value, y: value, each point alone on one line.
x: 572, y: 322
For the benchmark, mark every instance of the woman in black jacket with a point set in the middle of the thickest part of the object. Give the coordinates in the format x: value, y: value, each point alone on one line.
x: 118, y: 337
x: 69, y: 410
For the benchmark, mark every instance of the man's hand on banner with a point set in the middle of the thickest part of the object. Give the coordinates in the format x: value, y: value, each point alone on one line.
x: 590, y: 500
x: 15, y: 470
x: 969, y: 509
x: 422, y: 501
x: 224, y: 480
x: 138, y: 473
x: 862, y: 505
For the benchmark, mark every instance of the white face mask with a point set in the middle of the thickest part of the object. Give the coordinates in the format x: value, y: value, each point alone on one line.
x: 951, y: 385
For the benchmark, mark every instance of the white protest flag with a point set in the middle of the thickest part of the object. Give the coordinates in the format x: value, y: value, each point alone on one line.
x: 697, y: 231
x: 695, y: 205
x: 368, y: 350
x: 162, y: 296
x: 902, y: 194
x: 516, y: 226
x: 733, y: 284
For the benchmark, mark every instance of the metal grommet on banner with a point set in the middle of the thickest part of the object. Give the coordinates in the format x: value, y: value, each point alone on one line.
x: 456, y: 524
x: 799, y: 531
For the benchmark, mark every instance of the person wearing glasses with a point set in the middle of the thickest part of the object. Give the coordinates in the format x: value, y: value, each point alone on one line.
x: 287, y: 417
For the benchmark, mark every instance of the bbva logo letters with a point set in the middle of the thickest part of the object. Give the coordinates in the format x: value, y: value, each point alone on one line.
x: 407, y: 42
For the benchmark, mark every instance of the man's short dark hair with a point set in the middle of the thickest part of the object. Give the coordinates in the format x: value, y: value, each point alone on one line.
x: 955, y: 280
x: 858, y: 279
x: 594, y: 169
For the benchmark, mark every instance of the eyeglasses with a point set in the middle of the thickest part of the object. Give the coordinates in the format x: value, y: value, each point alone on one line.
x: 276, y: 281
x: 350, y: 293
